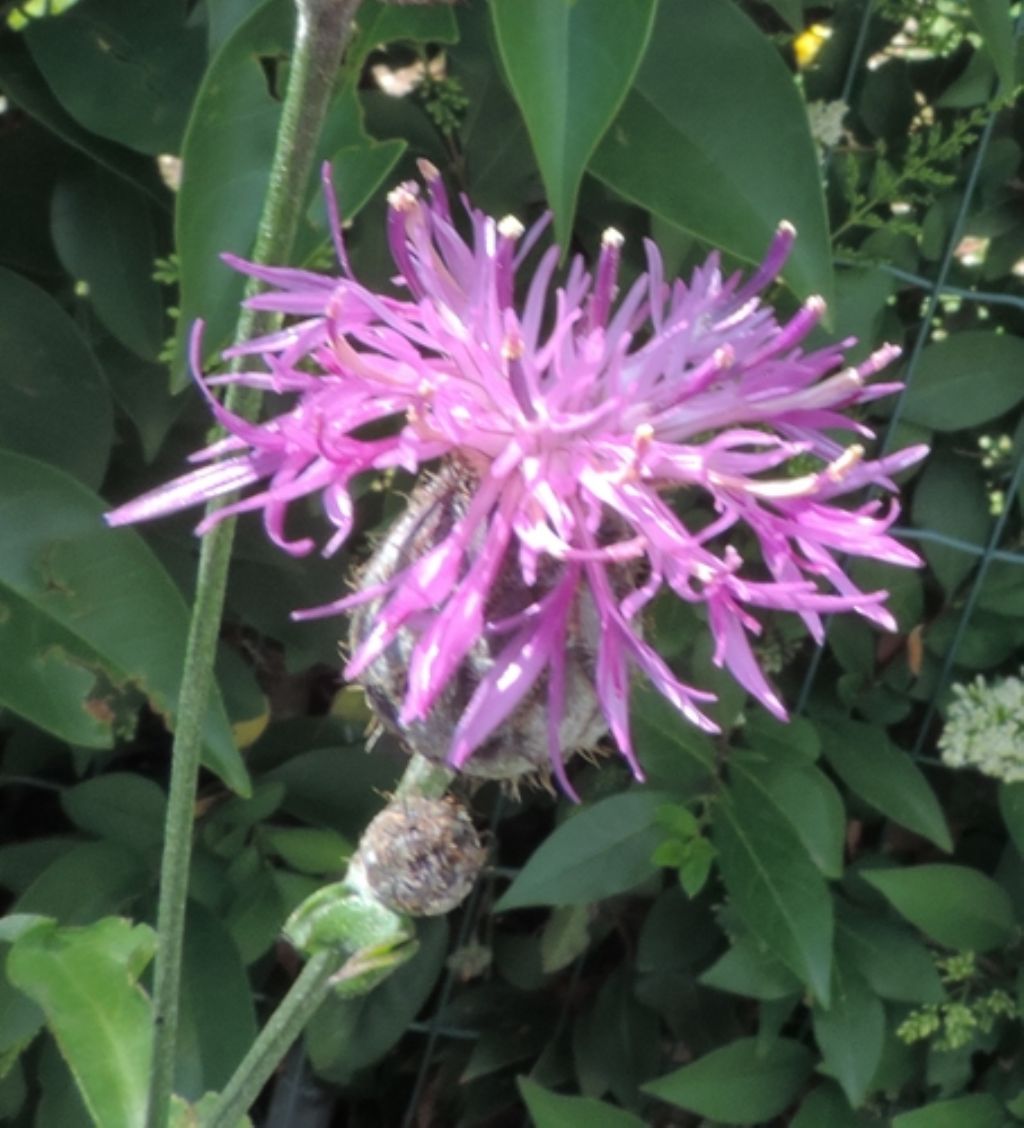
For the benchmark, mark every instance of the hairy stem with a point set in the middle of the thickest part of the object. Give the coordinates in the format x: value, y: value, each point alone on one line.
x: 322, y: 29
x: 309, y: 990
x: 315, y: 983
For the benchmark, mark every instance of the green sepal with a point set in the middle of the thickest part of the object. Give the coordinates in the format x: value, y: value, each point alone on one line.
x: 340, y: 918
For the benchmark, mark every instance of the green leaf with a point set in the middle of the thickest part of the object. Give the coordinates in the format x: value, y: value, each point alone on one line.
x: 20, y: 1018
x: 85, y: 981
x: 56, y: 404
x: 616, y: 1040
x: 566, y: 936
x: 678, y: 934
x: 712, y: 101
x: 15, y: 925
x: 570, y: 65
x: 349, y: 1034
x: 550, y: 1110
x: 103, y: 230
x: 357, y: 171
x: 1003, y: 589
x: 227, y: 168
x: 332, y: 786
x: 967, y: 379
x: 22, y: 862
x: 748, y: 969
x: 124, y: 71
x: 93, y: 880
x: 60, y: 1102
x: 675, y: 756
x: 952, y: 498
x: 862, y: 295
x: 218, y: 1019
x: 894, y: 962
x: 25, y: 87
x: 806, y: 798
x: 381, y: 21
x: 885, y: 777
x: 792, y: 11
x: 13, y: 1092
x: 980, y: 1110
x: 1011, y: 806
x: 90, y: 622
x: 795, y: 742
x: 953, y: 905
x: 142, y: 391
x: 995, y: 23
x: 851, y: 1033
x: 309, y: 849
x: 603, y: 850
x: 694, y: 865
x: 121, y: 807
x: 827, y: 1105
x: 776, y: 887
x: 495, y: 146
x: 256, y: 914
x: 737, y: 1084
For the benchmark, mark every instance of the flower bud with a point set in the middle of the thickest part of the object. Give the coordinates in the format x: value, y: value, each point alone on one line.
x: 520, y: 746
x: 421, y: 856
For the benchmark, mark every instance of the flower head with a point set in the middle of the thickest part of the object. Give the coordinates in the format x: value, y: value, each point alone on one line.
x: 985, y: 728
x: 573, y: 416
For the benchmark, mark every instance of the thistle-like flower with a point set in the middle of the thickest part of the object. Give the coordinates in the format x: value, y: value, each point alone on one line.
x: 565, y: 422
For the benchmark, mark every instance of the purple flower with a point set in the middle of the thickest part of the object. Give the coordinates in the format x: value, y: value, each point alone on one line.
x: 578, y: 415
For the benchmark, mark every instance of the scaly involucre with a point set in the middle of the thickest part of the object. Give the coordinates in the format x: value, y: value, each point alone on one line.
x: 578, y: 414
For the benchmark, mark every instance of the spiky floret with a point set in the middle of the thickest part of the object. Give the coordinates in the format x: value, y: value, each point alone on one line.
x: 576, y: 409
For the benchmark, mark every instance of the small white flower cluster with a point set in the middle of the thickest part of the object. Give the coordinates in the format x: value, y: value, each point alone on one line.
x: 985, y: 728
x: 827, y: 121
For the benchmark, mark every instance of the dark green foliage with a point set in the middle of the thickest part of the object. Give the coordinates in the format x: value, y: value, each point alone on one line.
x: 807, y: 924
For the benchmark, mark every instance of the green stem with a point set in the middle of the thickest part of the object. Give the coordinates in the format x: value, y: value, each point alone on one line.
x: 322, y: 29
x: 424, y: 777
x: 303, y: 1000
x: 421, y: 777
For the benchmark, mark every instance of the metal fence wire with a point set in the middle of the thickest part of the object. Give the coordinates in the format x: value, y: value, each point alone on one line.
x: 933, y: 290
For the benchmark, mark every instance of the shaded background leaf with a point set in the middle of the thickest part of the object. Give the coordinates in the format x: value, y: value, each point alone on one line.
x: 570, y: 66
x: 56, y: 403
x: 955, y: 905
x: 712, y: 101
x: 78, y: 584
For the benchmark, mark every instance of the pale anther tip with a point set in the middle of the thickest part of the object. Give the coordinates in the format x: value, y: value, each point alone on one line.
x: 724, y: 356
x: 402, y: 198
x: 786, y: 228
x: 613, y: 238
x: 510, y: 227
x: 428, y: 170
x: 816, y: 304
x: 512, y: 348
